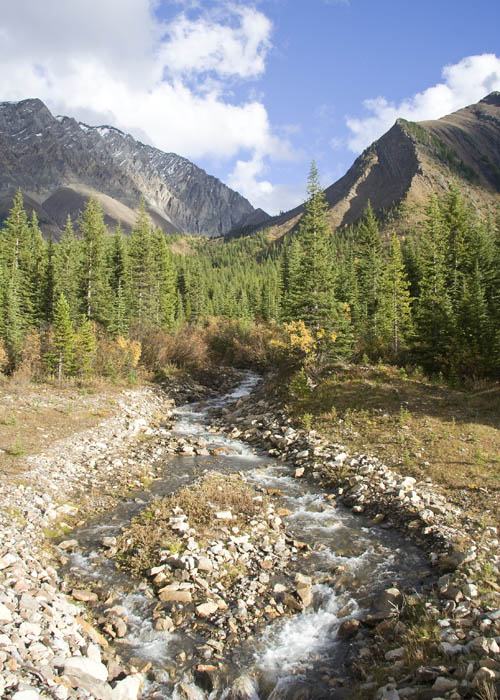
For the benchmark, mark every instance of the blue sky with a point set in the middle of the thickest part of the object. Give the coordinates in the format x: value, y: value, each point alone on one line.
x: 251, y: 91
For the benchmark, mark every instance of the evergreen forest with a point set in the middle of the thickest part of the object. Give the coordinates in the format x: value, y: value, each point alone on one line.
x: 100, y: 302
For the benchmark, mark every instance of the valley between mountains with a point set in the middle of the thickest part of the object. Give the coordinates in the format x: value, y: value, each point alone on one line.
x: 246, y: 457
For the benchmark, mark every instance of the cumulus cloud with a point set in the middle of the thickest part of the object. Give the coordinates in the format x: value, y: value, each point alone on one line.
x: 116, y: 62
x: 463, y: 83
x: 229, y: 49
x: 247, y: 177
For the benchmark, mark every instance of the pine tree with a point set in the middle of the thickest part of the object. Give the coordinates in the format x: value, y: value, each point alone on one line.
x: 85, y: 348
x: 310, y: 295
x: 67, y: 270
x: 434, y: 313
x: 395, y: 302
x: 63, y: 341
x: 369, y: 278
x: 96, y: 298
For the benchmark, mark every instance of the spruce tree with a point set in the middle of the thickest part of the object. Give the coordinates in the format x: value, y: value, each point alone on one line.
x: 68, y: 270
x: 311, y: 294
x: 85, y: 348
x: 119, y: 321
x: 17, y: 254
x: 144, y: 292
x: 291, y: 262
x: 13, y: 325
x: 369, y: 279
x: 96, y: 298
x: 48, y: 284
x: 63, y: 341
x: 434, y: 313
x: 395, y: 302
x: 35, y: 270
x: 165, y: 282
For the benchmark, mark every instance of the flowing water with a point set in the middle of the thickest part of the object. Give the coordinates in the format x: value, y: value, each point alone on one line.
x: 293, y: 657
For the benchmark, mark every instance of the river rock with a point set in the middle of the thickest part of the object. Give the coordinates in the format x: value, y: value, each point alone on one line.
x: 205, y: 564
x: 484, y: 645
x: 29, y: 694
x: 387, y: 692
x: 84, y: 596
x: 172, y: 595
x: 129, y: 688
x: 388, y: 602
x: 187, y: 691
x: 292, y: 603
x: 206, y: 609
x: 7, y: 560
x: 348, y: 629
x: 78, y: 665
x: 206, y: 677
x: 97, y: 689
x: 164, y: 624
x: 243, y: 688
x: 68, y: 545
x: 395, y: 654
x: 119, y: 626
x: 5, y: 614
x: 443, y: 684
x: 304, y: 591
x: 224, y: 515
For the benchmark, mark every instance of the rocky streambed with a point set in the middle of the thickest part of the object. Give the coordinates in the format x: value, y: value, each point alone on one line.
x: 252, y: 560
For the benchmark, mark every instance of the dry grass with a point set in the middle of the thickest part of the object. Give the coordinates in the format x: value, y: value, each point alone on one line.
x: 150, y: 536
x: 216, y: 493
x: 418, y: 428
x: 33, y: 416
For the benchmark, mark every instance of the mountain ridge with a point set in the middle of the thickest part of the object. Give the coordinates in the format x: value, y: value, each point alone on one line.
x: 58, y: 162
x: 411, y: 161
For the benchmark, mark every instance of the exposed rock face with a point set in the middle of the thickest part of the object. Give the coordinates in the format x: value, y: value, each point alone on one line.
x: 414, y: 159
x: 58, y: 163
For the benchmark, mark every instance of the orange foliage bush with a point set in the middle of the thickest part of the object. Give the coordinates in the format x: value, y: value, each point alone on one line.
x: 186, y: 348
x: 117, y: 358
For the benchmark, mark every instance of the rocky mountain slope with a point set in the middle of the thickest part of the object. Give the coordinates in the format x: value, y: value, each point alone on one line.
x: 414, y: 159
x: 58, y: 163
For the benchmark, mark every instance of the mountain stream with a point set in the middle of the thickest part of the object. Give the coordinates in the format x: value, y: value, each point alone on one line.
x: 293, y: 657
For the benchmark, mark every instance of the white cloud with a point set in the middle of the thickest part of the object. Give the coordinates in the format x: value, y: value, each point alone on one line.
x: 463, y: 83
x: 247, y: 177
x: 204, y: 45
x: 114, y: 62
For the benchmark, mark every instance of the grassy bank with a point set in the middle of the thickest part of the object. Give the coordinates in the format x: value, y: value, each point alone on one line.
x: 417, y: 427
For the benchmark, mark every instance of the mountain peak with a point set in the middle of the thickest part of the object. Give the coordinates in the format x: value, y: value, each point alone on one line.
x: 414, y: 159
x: 492, y: 99
x: 58, y: 163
